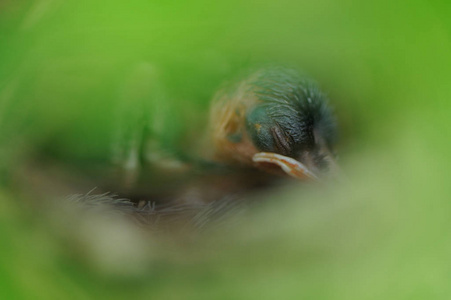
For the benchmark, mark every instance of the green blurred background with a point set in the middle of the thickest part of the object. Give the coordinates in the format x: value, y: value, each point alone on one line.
x: 79, y: 78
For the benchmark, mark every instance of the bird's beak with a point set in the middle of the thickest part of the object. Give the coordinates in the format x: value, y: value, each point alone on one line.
x: 289, y: 165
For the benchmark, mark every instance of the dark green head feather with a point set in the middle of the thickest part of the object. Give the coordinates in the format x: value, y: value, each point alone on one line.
x: 291, y: 112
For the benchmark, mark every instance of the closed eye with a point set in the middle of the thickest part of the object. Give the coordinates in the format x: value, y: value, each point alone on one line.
x: 281, y: 141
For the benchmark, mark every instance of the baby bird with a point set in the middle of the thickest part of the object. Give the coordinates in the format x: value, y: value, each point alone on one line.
x: 275, y: 120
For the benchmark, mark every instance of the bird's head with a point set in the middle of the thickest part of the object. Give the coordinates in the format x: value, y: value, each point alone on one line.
x: 276, y: 120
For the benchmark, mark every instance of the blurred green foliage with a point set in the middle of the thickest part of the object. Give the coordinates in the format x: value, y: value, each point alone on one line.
x: 73, y: 73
